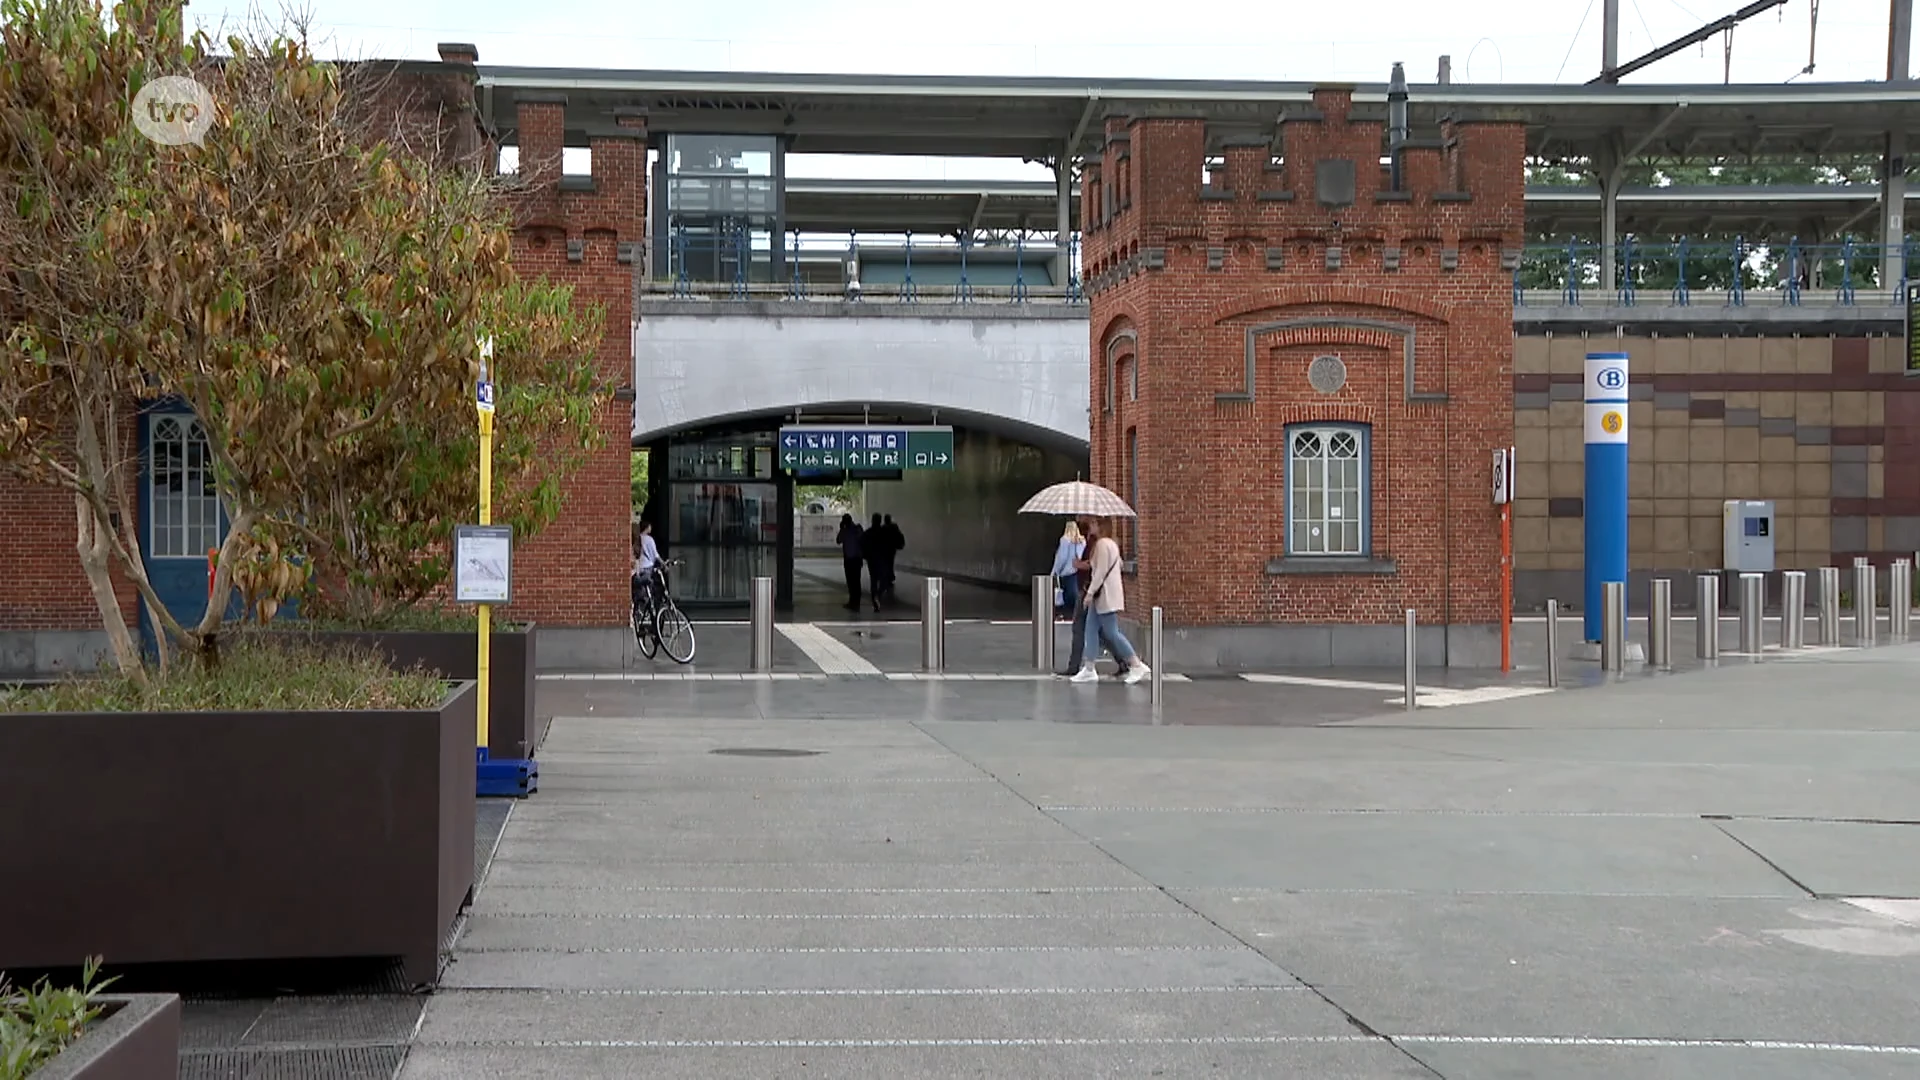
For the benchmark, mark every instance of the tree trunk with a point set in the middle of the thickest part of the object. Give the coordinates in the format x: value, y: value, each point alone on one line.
x: 94, y: 546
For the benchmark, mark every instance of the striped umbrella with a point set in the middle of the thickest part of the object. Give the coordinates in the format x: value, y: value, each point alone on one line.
x: 1077, y: 498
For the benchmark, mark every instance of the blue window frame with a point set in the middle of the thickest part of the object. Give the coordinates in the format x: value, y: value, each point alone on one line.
x: 1329, y: 490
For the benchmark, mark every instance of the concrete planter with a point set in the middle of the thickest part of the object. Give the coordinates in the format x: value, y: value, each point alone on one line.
x: 137, y: 1037
x: 189, y: 837
x: 511, y: 730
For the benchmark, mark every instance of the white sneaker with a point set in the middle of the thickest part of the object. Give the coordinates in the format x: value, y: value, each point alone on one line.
x: 1086, y: 674
x: 1135, y: 674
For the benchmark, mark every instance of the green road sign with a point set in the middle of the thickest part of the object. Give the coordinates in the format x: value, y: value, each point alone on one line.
x: 823, y: 448
x: 930, y: 448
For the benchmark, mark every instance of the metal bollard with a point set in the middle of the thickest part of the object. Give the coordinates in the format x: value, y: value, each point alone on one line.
x: 1706, y: 605
x: 1043, y: 587
x: 1865, y: 610
x: 1753, y: 601
x: 1830, y: 606
x: 1411, y: 688
x: 760, y: 598
x: 933, y: 626
x: 1900, y: 599
x: 1660, y: 625
x: 1793, y: 609
x: 1613, y: 626
x: 1154, y: 641
x: 1553, y: 643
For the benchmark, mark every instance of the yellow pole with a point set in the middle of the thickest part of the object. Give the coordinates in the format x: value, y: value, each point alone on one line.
x: 486, y: 518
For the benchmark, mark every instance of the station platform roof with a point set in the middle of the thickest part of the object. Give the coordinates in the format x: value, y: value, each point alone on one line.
x: 1039, y: 118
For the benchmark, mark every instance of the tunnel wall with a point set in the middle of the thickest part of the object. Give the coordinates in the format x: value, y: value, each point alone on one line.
x: 966, y: 524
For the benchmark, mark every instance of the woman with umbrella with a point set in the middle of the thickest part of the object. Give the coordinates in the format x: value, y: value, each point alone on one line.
x: 1105, y: 598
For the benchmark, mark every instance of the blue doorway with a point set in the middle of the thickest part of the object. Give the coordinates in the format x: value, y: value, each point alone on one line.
x: 180, y: 515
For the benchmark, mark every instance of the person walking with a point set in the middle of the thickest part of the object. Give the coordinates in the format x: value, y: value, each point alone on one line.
x: 849, y: 540
x: 1066, y: 579
x: 1082, y: 577
x: 873, y: 549
x: 1106, y: 599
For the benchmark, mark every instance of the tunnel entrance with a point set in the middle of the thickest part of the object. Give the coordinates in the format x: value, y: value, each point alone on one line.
x: 734, y: 503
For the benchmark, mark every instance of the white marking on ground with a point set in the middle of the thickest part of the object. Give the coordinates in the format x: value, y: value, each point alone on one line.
x: 826, y: 650
x: 1200, y: 1040
x: 1906, y: 911
x: 1434, y: 697
x: 957, y: 991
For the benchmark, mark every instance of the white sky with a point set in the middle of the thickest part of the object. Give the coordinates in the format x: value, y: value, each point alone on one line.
x: 1504, y: 41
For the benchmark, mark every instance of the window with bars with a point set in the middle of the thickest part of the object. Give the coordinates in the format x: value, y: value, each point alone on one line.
x: 184, y: 505
x: 1327, y: 467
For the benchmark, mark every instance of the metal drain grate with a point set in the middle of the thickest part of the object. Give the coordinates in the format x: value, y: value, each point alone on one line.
x: 340, y: 1063
x: 762, y: 751
x: 309, y: 1021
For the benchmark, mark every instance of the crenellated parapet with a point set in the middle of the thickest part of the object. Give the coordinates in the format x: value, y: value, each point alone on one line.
x: 1314, y: 198
x: 600, y: 215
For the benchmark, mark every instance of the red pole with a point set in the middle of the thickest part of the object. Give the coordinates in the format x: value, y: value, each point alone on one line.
x: 1506, y: 587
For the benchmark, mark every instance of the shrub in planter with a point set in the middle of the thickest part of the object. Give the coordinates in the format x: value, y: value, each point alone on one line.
x: 294, y: 802
x: 79, y: 1033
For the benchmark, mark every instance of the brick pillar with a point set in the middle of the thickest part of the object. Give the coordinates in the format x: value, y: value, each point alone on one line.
x: 1270, y: 312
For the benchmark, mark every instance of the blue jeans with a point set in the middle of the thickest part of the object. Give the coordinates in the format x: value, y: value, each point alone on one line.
x: 1107, y: 625
x: 1092, y: 628
x: 1069, y: 592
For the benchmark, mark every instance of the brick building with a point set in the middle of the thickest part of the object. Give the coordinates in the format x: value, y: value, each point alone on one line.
x: 1301, y: 364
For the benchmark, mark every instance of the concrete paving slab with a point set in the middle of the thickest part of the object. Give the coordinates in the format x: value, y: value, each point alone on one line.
x: 1035, y: 900
x: 1648, y: 967
x: 1508, y: 1061
x: 1840, y: 858
x: 1432, y: 853
x: 1350, y: 1058
x: 591, y: 876
x: 781, y: 931
x: 663, y: 854
x: 793, y: 969
x: 1189, y: 1012
x: 1467, y: 786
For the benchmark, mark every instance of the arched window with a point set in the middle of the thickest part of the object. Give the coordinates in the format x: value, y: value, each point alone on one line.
x: 184, y: 507
x: 1327, y: 490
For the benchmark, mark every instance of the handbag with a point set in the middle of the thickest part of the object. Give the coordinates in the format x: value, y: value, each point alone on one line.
x: 1059, y: 597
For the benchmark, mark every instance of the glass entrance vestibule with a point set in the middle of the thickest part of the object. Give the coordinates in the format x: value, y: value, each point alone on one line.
x: 718, y: 501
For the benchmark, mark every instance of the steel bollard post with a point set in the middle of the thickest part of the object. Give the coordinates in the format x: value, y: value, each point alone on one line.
x: 760, y: 612
x: 1043, y: 587
x: 933, y: 625
x: 1793, y: 609
x: 1411, y: 689
x: 1706, y: 644
x: 1660, y: 625
x: 1553, y: 643
x: 1865, y: 609
x: 1900, y: 599
x: 1613, y: 626
x: 1753, y: 601
x: 1829, y: 606
x: 1154, y: 641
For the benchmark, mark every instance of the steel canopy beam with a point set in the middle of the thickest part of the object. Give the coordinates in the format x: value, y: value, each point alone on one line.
x: 1725, y: 23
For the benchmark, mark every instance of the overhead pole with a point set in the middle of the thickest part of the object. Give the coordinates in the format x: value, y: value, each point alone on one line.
x: 1727, y: 22
x: 1893, y: 173
x: 1609, y: 38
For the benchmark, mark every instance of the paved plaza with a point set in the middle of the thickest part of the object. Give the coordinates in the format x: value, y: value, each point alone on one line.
x: 1703, y: 874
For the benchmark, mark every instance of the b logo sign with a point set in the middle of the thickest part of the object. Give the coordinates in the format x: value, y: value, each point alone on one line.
x: 1611, y: 378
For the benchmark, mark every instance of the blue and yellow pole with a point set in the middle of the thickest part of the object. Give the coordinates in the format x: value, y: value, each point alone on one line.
x: 1605, y: 502
x: 484, y: 404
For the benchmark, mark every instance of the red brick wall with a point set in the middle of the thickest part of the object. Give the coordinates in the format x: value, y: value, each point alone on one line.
x: 41, y: 584
x: 1186, y: 271
x: 575, y: 573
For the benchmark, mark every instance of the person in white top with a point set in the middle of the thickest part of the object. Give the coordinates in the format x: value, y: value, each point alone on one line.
x: 1106, y: 598
x: 645, y: 558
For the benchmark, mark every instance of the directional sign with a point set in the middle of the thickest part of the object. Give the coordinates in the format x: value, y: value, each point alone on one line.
x: 818, y: 447
x: 1913, y: 340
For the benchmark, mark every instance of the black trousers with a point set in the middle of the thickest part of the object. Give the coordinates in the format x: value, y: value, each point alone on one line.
x: 853, y: 565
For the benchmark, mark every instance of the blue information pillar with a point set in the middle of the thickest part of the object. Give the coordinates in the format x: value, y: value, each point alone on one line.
x: 1606, y: 492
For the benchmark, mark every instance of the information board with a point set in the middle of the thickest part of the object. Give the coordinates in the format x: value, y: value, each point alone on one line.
x: 820, y: 447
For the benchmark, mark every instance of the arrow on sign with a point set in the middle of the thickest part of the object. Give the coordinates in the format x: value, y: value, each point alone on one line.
x: 941, y: 458
x: 789, y: 458
x: 790, y: 440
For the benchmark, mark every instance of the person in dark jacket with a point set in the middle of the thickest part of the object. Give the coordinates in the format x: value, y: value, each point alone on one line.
x: 874, y: 549
x: 850, y: 540
x: 896, y: 543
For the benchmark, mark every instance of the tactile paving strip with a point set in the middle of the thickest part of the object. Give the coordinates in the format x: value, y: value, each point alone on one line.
x: 305, y: 1022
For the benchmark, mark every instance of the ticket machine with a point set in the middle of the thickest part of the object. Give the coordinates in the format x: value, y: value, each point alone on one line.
x: 1748, y: 537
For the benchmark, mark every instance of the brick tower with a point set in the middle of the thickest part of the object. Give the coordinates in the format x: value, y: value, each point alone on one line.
x: 1302, y: 362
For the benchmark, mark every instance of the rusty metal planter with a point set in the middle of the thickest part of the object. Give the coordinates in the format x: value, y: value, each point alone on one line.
x: 222, y: 836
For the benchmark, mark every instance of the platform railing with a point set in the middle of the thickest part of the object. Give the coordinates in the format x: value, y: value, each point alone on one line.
x: 1692, y: 273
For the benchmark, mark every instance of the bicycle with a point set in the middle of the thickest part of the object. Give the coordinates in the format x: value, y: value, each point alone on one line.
x: 658, y: 621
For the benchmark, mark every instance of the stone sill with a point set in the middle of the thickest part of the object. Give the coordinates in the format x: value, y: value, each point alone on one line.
x: 1310, y: 565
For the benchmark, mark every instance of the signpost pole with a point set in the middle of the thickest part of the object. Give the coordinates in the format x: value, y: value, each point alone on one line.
x: 1605, y: 501
x: 1503, y: 465
x: 493, y: 776
x: 483, y: 403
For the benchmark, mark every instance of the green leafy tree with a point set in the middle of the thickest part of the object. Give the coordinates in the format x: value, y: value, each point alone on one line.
x: 313, y: 293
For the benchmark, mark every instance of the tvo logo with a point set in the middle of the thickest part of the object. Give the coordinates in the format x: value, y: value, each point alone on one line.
x: 1610, y: 378
x: 173, y: 110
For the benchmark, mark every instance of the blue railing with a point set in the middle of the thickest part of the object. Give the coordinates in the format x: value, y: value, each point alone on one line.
x: 1676, y: 273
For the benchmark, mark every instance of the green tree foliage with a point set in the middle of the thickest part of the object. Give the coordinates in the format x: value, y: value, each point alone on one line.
x: 311, y: 291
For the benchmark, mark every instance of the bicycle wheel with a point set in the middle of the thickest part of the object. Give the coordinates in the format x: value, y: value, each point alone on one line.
x: 675, y: 632
x: 643, y: 633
